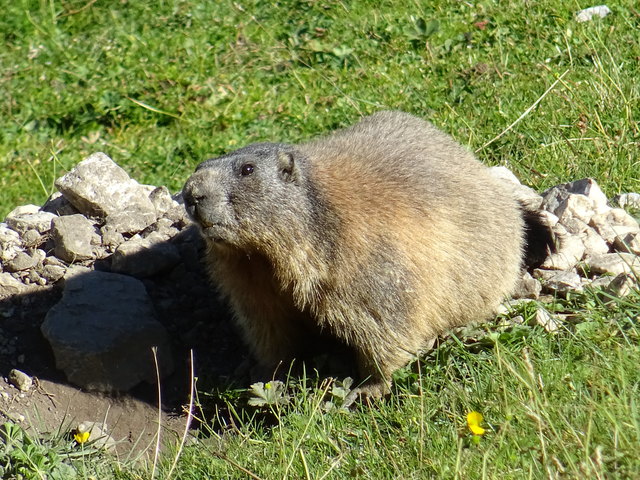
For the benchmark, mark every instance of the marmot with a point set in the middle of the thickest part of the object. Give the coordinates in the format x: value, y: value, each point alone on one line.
x: 382, y: 235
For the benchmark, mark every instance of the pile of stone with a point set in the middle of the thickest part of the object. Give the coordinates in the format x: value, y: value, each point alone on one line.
x: 120, y: 253
x: 105, y: 241
x: 597, y: 245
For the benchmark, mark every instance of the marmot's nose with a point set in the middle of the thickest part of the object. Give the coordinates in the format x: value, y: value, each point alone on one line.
x: 193, y: 194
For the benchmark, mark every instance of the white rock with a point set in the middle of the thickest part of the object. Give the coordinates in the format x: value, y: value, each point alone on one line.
x: 569, y: 250
x: 10, y: 243
x: 526, y: 195
x: 98, y: 187
x: 594, y: 244
x: 576, y: 206
x: 23, y: 210
x: 625, y: 200
x: 23, y: 220
x: 555, y: 198
x: 588, y: 14
x: 9, y: 236
x: 547, y: 321
x: 614, y: 263
x: 162, y: 200
x: 628, y: 243
x: 98, y: 434
x: 614, y: 223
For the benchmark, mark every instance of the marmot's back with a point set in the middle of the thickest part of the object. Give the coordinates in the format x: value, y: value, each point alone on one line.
x: 399, y: 177
x: 383, y: 234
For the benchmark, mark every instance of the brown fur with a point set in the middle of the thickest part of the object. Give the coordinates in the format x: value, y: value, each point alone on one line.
x: 384, y: 234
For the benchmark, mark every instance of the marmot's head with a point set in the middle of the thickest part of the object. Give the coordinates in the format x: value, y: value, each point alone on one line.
x: 247, y: 198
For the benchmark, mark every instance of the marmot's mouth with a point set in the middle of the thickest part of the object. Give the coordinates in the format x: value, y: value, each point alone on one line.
x: 215, y: 232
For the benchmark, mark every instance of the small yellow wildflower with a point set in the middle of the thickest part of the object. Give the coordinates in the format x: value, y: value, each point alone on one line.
x: 474, y: 419
x: 81, y: 437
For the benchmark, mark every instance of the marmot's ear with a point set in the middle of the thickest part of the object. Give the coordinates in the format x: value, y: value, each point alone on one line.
x: 287, y: 167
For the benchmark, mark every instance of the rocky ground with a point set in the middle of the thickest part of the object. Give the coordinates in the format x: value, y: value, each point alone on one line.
x: 109, y: 268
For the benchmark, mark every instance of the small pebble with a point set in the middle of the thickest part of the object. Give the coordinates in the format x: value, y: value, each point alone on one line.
x: 20, y: 380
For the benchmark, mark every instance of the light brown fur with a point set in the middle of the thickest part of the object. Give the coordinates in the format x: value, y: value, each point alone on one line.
x: 384, y: 235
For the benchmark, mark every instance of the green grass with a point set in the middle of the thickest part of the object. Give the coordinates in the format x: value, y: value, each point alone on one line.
x: 160, y: 86
x: 555, y: 406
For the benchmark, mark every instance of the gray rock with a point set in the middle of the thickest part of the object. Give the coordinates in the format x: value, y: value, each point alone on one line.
x: 23, y: 210
x: 617, y: 287
x: 34, y: 277
x: 627, y: 200
x: 142, y: 257
x: 10, y: 287
x: 162, y: 230
x: 8, y: 236
x: 20, y: 380
x: 59, y: 205
x: 600, y: 282
x: 32, y: 238
x: 111, y: 237
x: 162, y: 201
x: 613, y: 223
x: 622, y: 285
x: 26, y: 218
x: 528, y: 287
x: 614, y: 263
x: 178, y: 214
x: 73, y: 236
x: 22, y: 261
x: 102, y: 332
x: 98, y: 187
x: 574, y: 226
x: 558, y: 281
x: 129, y: 221
x: 52, y: 273
x: 53, y: 261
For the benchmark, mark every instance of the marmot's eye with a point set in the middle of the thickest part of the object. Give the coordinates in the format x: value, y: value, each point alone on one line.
x: 247, y: 169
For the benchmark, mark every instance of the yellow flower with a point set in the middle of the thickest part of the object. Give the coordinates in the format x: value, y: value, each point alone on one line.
x: 474, y: 419
x: 81, y: 437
